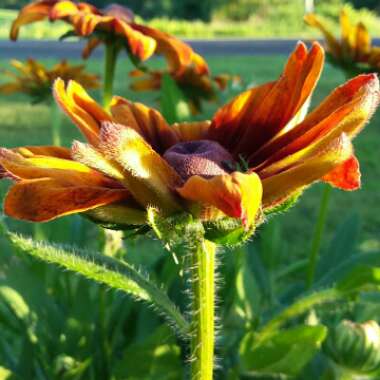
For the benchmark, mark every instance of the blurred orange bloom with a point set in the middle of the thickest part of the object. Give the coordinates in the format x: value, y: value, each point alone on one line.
x: 353, y: 48
x: 34, y: 79
x: 113, y: 24
x: 195, y: 82
x: 257, y: 152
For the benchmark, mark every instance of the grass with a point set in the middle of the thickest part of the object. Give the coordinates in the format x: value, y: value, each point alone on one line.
x: 25, y: 124
x: 279, y: 21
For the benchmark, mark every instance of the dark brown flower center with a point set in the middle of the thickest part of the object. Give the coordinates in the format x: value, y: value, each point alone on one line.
x: 205, y: 158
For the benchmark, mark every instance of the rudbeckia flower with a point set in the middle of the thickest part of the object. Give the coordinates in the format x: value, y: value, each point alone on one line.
x: 114, y: 24
x: 195, y: 82
x: 353, y: 51
x: 34, y: 79
x: 256, y: 153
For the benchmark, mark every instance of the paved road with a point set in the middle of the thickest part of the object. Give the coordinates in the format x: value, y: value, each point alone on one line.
x: 53, y: 49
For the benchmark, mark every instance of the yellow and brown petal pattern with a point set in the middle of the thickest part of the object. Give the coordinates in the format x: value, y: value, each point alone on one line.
x: 34, y: 79
x: 258, y: 150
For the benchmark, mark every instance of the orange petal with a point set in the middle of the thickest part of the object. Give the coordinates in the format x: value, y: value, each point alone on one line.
x: 91, y: 45
x: 65, y: 171
x: 238, y: 195
x: 178, y: 54
x: 146, y: 174
x: 45, y: 199
x: 148, y: 122
x: 333, y: 45
x: 36, y: 11
x: 346, y: 110
x: 189, y: 131
x: 259, y: 115
x: 52, y: 151
x: 140, y: 45
x: 278, y: 187
x: 345, y: 176
x: 81, y: 108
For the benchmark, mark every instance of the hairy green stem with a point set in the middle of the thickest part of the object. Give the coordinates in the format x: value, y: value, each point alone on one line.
x: 111, y: 53
x: 56, y: 124
x: 317, y: 238
x: 202, y: 324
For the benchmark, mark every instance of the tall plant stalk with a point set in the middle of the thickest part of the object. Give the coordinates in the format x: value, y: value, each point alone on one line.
x: 56, y: 124
x: 318, y: 234
x: 202, y: 271
x: 111, y: 53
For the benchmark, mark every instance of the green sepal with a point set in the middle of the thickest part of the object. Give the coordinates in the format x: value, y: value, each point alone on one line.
x: 176, y: 229
x: 227, y: 231
x: 284, y: 206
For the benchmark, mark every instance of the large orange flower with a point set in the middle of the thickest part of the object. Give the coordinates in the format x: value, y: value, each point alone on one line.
x: 113, y: 24
x: 257, y: 152
x: 34, y: 79
x: 353, y: 51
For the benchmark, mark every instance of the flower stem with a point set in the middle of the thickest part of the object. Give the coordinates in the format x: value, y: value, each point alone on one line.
x: 318, y: 233
x: 111, y: 53
x: 56, y: 124
x: 203, y: 309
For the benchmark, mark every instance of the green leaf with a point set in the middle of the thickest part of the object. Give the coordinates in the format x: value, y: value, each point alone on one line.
x: 18, y: 308
x: 109, y: 271
x: 158, y: 358
x: 227, y: 231
x: 342, y: 270
x: 247, y: 292
x: 286, y: 352
x: 174, y: 105
x: 360, y: 279
x: 341, y: 247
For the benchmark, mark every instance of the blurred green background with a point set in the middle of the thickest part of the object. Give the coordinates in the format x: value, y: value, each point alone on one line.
x: 217, y: 18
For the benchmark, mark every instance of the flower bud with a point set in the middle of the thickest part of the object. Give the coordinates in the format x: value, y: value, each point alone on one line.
x: 355, y: 346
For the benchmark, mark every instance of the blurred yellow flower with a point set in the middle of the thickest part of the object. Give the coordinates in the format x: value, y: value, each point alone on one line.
x: 258, y: 151
x: 34, y: 79
x: 353, y: 51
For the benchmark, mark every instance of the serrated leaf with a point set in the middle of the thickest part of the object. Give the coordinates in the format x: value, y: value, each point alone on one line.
x: 286, y: 352
x: 106, y: 270
x: 174, y: 105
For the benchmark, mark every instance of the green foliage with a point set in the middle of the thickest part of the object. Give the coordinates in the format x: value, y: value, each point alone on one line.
x: 174, y: 105
x: 111, y: 272
x: 286, y: 353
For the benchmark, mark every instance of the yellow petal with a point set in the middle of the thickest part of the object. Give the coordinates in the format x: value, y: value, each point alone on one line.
x: 146, y: 121
x: 237, y: 195
x: 279, y: 187
x: 333, y: 45
x: 146, y: 174
x: 81, y: 108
